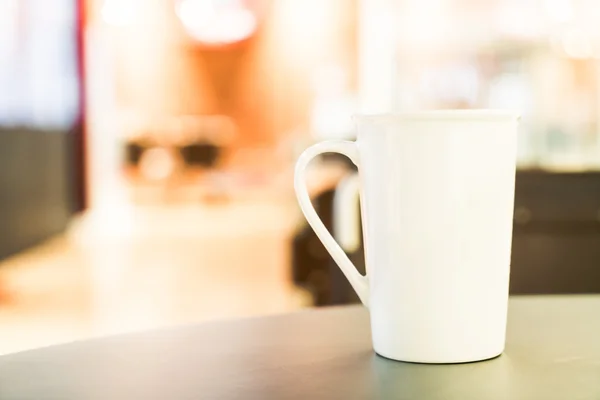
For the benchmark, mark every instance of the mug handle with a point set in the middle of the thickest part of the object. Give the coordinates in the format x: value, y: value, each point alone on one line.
x: 359, y: 282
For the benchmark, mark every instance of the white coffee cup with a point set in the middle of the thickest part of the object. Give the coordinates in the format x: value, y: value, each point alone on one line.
x: 437, y: 198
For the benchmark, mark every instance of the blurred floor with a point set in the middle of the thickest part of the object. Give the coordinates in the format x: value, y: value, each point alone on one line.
x: 139, y: 268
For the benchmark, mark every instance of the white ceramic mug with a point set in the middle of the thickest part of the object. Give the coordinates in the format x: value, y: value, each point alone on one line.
x: 437, y: 198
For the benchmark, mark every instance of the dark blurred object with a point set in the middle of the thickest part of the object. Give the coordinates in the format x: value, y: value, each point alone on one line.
x: 191, y: 143
x: 133, y: 153
x: 202, y: 154
x: 556, y: 240
x: 37, y: 195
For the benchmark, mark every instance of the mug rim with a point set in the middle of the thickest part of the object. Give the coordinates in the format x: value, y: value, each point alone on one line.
x: 447, y: 114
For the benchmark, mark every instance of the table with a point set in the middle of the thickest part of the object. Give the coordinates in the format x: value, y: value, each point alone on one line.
x: 553, y: 352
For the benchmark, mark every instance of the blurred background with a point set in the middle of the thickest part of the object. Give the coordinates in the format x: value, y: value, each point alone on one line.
x: 147, y: 147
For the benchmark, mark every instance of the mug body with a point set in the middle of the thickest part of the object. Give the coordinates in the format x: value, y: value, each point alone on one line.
x: 437, y: 196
